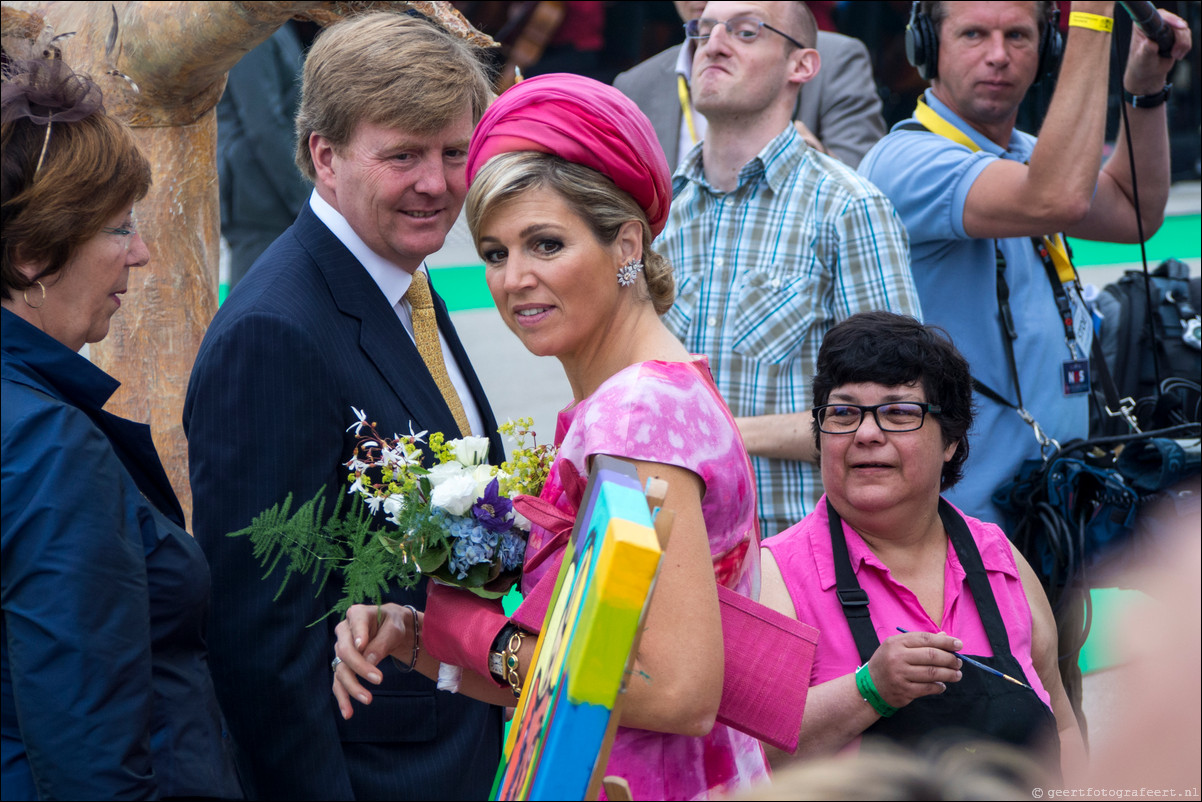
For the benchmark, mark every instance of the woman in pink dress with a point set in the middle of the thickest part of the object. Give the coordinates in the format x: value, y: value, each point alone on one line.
x: 568, y: 189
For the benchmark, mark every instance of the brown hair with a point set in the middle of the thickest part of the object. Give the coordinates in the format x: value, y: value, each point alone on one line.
x: 388, y: 69
x: 92, y: 170
x: 592, y: 196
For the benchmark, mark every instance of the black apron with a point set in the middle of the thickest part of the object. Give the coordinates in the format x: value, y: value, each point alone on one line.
x: 980, y: 704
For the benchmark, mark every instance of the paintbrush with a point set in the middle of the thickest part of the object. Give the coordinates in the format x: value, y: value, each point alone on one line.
x: 984, y: 667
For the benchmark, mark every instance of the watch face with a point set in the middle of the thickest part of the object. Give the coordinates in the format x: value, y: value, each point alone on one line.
x: 496, y: 663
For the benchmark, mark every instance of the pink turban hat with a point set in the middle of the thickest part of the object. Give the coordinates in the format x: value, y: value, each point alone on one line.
x: 581, y: 121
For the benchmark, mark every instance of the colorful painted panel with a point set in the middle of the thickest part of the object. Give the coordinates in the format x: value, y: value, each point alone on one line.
x: 562, y: 721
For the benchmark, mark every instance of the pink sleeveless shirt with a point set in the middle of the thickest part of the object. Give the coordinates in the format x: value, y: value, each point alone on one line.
x: 803, y: 553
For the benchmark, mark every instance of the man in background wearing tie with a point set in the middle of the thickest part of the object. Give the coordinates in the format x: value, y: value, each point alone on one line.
x: 338, y: 313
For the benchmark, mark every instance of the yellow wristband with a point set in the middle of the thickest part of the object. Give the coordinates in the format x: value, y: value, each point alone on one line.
x: 1095, y: 22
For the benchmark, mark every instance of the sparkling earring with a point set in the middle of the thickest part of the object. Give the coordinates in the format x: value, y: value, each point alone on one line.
x: 25, y: 295
x: 629, y: 272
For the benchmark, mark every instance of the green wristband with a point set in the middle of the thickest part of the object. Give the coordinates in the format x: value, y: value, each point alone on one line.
x: 869, y: 693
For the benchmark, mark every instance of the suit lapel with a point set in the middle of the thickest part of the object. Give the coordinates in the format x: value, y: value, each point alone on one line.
x: 382, y: 338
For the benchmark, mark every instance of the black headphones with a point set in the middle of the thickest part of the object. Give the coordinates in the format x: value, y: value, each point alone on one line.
x: 922, y: 43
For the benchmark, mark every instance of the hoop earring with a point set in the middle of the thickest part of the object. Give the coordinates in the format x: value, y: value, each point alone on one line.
x: 25, y: 295
x: 629, y: 272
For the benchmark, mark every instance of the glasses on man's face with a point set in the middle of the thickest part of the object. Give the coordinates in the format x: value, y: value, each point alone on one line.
x: 895, y: 416
x: 741, y: 29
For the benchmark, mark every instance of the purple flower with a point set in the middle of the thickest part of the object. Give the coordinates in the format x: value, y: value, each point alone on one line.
x: 492, y: 509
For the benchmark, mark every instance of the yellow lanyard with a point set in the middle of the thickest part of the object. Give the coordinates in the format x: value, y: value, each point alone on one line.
x: 682, y: 91
x: 930, y: 119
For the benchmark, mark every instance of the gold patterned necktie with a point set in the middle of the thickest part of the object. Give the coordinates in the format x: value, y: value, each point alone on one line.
x: 425, y: 334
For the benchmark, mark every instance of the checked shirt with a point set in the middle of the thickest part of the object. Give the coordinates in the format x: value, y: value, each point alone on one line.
x: 764, y: 271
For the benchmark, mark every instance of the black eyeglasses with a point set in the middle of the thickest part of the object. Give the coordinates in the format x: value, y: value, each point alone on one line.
x: 742, y: 29
x: 895, y: 416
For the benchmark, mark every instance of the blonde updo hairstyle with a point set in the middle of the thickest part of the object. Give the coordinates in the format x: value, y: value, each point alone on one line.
x: 592, y: 196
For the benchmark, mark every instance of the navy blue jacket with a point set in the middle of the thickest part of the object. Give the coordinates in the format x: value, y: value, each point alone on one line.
x: 106, y: 687
x: 303, y: 338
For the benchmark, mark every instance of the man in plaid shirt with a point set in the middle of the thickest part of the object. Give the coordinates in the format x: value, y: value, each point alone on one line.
x: 773, y: 243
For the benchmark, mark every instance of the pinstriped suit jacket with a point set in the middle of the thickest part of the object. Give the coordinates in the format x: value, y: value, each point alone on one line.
x: 304, y: 337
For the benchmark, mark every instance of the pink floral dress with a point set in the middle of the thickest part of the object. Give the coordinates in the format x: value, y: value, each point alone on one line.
x: 667, y: 412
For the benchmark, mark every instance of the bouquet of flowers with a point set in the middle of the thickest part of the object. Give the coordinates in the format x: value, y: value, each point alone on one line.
x: 454, y: 522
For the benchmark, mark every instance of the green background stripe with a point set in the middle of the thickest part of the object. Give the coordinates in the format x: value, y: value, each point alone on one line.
x: 1179, y: 237
x: 464, y: 288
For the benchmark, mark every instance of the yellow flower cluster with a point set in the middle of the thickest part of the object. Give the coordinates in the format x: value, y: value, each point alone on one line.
x: 529, y: 465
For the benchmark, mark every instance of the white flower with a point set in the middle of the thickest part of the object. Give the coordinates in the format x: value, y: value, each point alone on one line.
x: 470, y: 451
x: 444, y: 471
x: 399, y: 457
x: 483, y: 474
x: 357, y: 487
x: 521, y: 521
x: 373, y: 503
x: 359, y: 424
x: 392, y: 508
x: 455, y: 495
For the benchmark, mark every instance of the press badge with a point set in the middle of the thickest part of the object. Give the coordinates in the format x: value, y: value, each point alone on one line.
x: 1076, y: 376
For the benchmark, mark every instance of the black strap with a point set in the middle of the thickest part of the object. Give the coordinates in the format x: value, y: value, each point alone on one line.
x: 855, y: 601
x: 1009, y: 332
x: 1113, y: 402
x: 978, y: 581
x: 1063, y: 305
x: 851, y: 595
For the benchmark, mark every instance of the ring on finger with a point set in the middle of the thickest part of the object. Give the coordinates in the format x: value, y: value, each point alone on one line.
x: 334, y: 664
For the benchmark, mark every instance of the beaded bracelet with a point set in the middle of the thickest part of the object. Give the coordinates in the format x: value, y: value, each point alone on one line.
x: 1094, y: 22
x: 869, y: 693
x: 417, y: 642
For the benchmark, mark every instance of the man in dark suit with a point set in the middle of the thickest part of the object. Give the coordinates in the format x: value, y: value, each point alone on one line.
x: 325, y: 321
x: 838, y: 108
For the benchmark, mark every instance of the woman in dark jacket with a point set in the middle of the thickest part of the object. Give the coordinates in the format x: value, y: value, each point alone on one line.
x: 106, y: 689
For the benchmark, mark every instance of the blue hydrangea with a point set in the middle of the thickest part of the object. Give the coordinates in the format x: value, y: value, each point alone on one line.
x: 513, y: 551
x: 472, y: 544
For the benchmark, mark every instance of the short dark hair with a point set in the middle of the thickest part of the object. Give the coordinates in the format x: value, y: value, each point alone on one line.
x: 891, y: 349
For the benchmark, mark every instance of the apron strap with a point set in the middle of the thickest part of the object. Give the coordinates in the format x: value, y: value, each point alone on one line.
x: 854, y: 599
x: 978, y: 580
x: 851, y: 595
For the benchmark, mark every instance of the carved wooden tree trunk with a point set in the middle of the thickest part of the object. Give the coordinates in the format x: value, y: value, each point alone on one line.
x: 178, y: 54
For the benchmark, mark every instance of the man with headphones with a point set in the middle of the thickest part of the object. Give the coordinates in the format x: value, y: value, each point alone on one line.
x: 985, y: 205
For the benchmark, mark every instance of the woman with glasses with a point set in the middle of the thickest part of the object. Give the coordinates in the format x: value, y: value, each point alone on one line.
x: 899, y: 581
x: 106, y: 688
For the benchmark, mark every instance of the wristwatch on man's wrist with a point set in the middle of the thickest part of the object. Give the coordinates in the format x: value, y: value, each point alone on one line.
x: 1148, y: 101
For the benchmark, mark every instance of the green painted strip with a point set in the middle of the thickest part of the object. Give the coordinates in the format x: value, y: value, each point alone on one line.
x: 462, y: 287
x: 1179, y: 237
